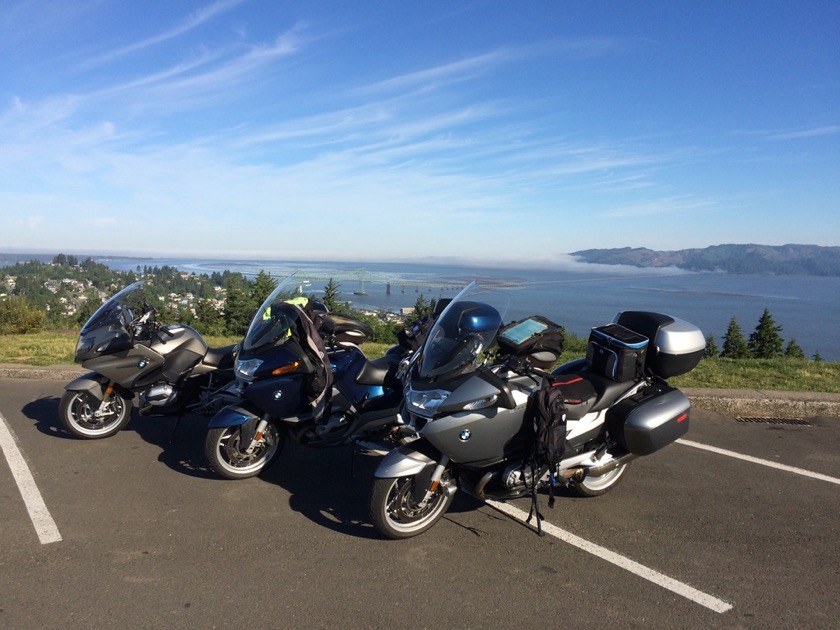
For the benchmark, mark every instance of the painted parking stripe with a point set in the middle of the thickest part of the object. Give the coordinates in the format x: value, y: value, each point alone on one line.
x: 675, y: 586
x: 756, y: 460
x: 44, y: 524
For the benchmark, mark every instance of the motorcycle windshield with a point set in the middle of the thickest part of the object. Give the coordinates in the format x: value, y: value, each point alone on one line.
x: 276, y: 316
x: 119, y: 310
x: 466, y: 328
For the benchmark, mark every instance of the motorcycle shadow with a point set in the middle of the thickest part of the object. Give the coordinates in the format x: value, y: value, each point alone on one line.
x: 44, y: 412
x: 331, y: 487
x: 181, y: 442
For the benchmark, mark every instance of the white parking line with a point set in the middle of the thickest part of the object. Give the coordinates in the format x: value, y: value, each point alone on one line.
x: 45, y: 526
x: 684, y: 590
x: 756, y: 460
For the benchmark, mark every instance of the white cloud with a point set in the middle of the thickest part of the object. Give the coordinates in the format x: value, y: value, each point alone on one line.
x: 814, y: 132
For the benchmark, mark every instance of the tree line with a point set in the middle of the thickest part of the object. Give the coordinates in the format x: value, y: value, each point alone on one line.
x: 36, y: 296
x: 765, y: 342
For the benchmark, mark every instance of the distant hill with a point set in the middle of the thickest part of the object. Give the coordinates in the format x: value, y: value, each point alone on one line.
x: 810, y: 260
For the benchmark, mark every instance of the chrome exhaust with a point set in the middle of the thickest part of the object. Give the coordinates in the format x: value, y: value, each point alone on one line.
x: 600, y: 470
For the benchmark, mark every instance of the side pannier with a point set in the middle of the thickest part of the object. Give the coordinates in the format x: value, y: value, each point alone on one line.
x: 649, y: 420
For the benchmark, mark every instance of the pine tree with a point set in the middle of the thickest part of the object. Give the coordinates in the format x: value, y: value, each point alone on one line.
x: 331, y: 297
x: 263, y: 285
x: 421, y: 308
x: 238, y: 306
x: 711, y: 347
x: 765, y: 342
x: 209, y: 321
x: 793, y: 350
x: 734, y: 346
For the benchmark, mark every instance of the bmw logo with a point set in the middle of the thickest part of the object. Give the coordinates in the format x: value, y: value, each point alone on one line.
x: 278, y: 394
x: 465, y: 435
x: 142, y: 363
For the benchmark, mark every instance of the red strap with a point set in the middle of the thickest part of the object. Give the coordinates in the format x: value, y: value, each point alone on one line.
x: 574, y: 380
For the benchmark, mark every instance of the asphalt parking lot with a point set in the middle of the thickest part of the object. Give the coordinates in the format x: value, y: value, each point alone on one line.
x: 134, y: 531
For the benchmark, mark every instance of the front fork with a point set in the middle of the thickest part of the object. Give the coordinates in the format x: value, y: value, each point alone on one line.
x: 104, y: 408
x: 434, y: 481
x: 256, y: 440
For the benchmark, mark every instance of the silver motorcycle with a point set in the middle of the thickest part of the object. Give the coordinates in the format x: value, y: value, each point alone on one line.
x: 469, y: 394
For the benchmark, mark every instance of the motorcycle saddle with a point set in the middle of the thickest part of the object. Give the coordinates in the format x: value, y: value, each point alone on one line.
x: 375, y: 372
x: 606, y: 389
x: 221, y: 358
x: 577, y: 393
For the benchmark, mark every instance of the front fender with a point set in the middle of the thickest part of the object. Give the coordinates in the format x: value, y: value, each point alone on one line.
x: 92, y: 382
x: 234, y: 415
x: 405, y: 461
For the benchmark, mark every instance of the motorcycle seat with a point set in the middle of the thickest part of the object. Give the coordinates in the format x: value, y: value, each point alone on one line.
x: 607, y: 390
x: 375, y: 372
x: 221, y: 358
x: 579, y: 395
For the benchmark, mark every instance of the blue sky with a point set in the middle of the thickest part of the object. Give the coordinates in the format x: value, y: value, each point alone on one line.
x: 390, y: 130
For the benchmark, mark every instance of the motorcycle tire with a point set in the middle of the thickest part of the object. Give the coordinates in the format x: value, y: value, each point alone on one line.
x: 221, y: 448
x: 80, y: 414
x: 395, y: 513
x: 596, y: 486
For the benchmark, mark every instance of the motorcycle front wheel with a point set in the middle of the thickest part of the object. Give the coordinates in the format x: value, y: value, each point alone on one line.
x: 395, y: 512
x: 222, y: 450
x: 86, y: 416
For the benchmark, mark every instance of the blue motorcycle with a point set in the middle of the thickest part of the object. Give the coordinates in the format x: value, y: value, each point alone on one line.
x: 302, y: 376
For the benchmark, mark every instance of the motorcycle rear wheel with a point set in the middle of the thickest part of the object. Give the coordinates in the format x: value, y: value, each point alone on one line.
x: 221, y: 448
x: 80, y: 414
x: 596, y: 486
x: 395, y: 512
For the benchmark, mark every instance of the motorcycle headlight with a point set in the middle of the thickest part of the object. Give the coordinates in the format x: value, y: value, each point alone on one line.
x: 482, y: 403
x: 427, y: 401
x: 83, y: 345
x: 246, y: 369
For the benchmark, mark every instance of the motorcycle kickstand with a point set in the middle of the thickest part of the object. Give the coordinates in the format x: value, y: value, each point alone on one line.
x: 175, y: 429
x: 353, y: 459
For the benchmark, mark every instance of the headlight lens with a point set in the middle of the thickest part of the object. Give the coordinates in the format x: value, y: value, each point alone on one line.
x: 427, y: 401
x: 482, y: 403
x: 246, y: 369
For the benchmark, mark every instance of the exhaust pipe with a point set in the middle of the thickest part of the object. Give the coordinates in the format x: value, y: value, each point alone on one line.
x: 600, y: 470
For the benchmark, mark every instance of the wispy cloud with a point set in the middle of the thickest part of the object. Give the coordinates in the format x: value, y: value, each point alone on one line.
x: 814, y: 132
x: 192, y: 21
x: 440, y: 75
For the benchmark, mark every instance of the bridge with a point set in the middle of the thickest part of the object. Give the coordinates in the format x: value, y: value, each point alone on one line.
x: 360, y: 278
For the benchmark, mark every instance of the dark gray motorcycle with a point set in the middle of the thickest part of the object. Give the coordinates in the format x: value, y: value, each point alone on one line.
x: 169, y: 367
x: 470, y: 392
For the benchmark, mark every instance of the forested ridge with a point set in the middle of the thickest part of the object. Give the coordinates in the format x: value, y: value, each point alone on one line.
x: 813, y: 260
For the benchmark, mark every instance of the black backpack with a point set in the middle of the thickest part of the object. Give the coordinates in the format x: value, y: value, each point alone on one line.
x: 548, y: 410
x: 318, y: 387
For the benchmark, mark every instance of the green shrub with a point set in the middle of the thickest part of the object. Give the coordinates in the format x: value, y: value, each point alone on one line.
x: 17, y: 317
